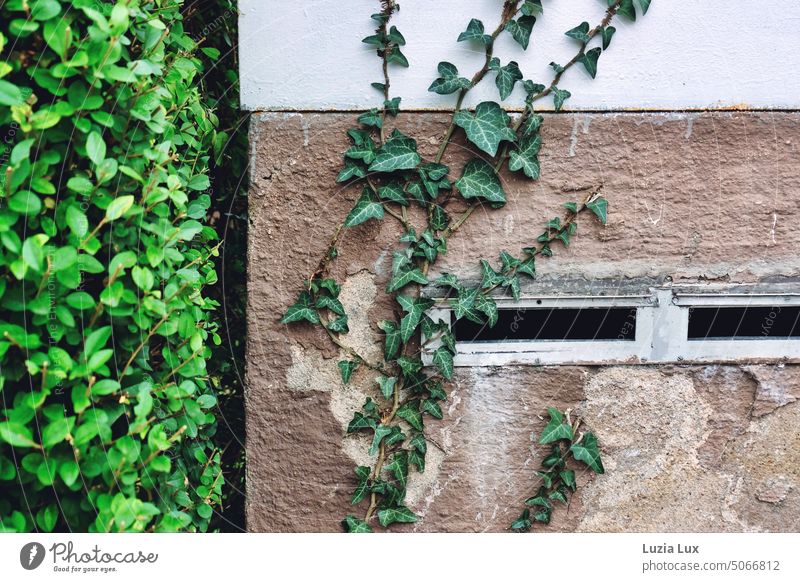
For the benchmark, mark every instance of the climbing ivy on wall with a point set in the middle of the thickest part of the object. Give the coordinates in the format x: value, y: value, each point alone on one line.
x: 431, y: 201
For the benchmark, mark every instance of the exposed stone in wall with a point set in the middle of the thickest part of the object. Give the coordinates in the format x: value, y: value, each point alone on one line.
x: 702, y: 448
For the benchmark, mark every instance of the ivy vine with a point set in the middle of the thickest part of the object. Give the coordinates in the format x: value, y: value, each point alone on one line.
x: 394, y: 181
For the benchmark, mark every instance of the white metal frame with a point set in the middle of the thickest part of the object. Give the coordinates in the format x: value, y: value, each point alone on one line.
x: 662, y: 323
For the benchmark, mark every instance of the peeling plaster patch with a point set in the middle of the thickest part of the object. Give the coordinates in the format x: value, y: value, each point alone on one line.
x: 573, y: 140
x: 305, y: 126
x: 775, y: 489
x: 358, y: 296
x: 650, y: 426
x: 774, y: 224
x: 689, y: 125
x: 771, y: 388
x: 310, y: 371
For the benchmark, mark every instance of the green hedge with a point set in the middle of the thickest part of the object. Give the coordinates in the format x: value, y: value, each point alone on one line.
x: 107, y: 410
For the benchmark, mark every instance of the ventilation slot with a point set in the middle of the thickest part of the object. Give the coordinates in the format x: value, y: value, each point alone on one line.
x: 553, y: 324
x: 725, y: 323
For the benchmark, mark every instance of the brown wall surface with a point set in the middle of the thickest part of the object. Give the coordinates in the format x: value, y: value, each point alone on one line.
x: 694, y: 197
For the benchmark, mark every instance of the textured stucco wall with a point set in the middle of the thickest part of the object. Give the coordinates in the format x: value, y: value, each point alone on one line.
x: 695, y: 197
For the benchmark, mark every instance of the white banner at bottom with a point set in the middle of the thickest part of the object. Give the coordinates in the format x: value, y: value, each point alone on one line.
x: 398, y: 557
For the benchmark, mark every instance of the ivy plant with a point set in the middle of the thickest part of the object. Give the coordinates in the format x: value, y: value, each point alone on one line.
x: 107, y: 413
x: 431, y: 200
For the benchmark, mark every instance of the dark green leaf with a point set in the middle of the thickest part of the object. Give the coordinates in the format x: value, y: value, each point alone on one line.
x: 411, y: 414
x: 520, y: 29
x: 478, y: 180
x: 448, y: 81
x: 507, y: 77
x: 398, y: 153
x: 526, y: 157
x: 580, y: 32
x: 487, y: 127
x: 475, y: 31
x: 587, y: 451
x: 443, y: 360
x: 589, y: 61
x: 303, y: 310
x: 600, y: 208
x: 387, y: 386
x: 399, y: 514
x: 559, y: 96
x: 556, y: 429
x: 354, y: 525
x: 367, y: 207
x: 391, y: 346
x: 346, y: 368
x: 607, y: 34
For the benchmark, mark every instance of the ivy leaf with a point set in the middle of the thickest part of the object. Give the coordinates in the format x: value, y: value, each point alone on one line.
x: 559, y: 96
x: 392, y: 106
x: 580, y: 32
x: 607, y: 33
x: 346, y: 368
x: 396, y: 37
x: 448, y: 81
x: 352, y: 169
x: 411, y: 414
x: 586, y: 450
x: 478, y: 180
x: 393, y: 192
x: 526, y: 158
x: 406, y: 277
x: 626, y: 9
x: 475, y: 32
x: 398, y: 153
x: 414, y: 308
x: 394, y: 55
x: 367, y: 207
x: 399, y: 466
x: 600, y: 208
x: 589, y: 61
x: 523, y: 522
x: 352, y: 524
x: 387, y: 386
x: 381, y: 431
x: 556, y: 429
x: 391, y: 346
x: 438, y: 218
x: 339, y: 325
x: 568, y: 477
x: 644, y: 5
x: 487, y: 127
x: 506, y: 78
x: 399, y: 514
x: 443, y: 359
x: 360, y: 422
x: 363, y: 485
x: 531, y: 7
x: 302, y: 310
x: 432, y: 407
x: 521, y: 28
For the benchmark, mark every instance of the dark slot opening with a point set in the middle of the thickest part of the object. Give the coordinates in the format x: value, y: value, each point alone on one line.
x: 743, y: 322
x: 601, y: 323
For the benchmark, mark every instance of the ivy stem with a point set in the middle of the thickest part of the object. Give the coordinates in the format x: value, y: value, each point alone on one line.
x: 610, y: 13
x: 509, y: 10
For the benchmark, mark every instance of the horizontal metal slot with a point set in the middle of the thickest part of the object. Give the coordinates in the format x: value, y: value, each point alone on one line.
x: 554, y: 324
x: 745, y: 323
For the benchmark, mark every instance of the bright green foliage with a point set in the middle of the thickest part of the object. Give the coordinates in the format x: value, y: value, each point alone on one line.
x: 108, y: 419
